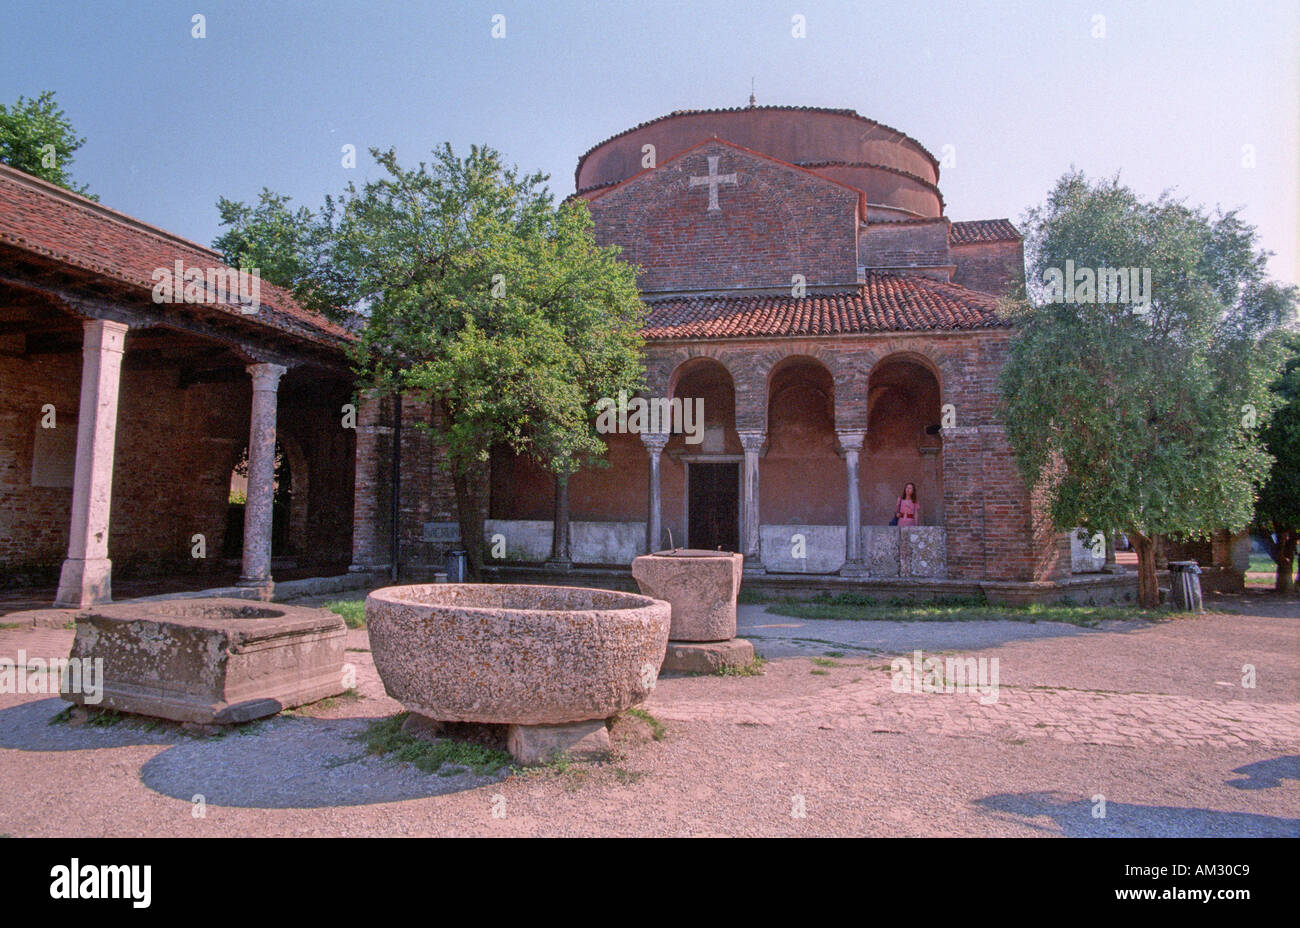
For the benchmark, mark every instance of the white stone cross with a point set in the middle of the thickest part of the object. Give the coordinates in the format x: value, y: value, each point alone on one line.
x: 713, y: 180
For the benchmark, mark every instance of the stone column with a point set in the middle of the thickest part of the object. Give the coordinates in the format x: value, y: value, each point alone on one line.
x: 368, y: 511
x: 850, y: 445
x: 654, y: 529
x: 560, y: 558
x: 256, y: 570
x: 86, y: 577
x: 752, y: 441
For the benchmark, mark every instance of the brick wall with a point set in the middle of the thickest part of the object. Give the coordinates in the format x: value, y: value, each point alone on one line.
x: 904, y: 244
x: 991, y: 267
x: 774, y: 222
x: 175, y: 449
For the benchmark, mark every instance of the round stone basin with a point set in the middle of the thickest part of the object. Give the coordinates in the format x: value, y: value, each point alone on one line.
x: 514, y: 653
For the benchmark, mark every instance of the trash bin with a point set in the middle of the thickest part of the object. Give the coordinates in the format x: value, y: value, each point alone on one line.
x: 1185, y: 586
x: 457, y: 562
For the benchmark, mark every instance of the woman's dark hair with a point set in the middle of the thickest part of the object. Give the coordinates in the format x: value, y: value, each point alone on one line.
x: 905, y: 486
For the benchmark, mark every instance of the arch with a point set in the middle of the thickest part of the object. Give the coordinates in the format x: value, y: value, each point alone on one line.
x: 904, y: 405
x: 803, y: 479
x: 299, y: 493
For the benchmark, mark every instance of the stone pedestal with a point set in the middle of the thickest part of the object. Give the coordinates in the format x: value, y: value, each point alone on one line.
x: 701, y: 587
x: 538, y: 744
x: 707, y: 656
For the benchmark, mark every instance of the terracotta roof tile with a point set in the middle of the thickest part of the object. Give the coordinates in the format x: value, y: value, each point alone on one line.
x: 884, y: 303
x: 983, y: 230
x: 55, y: 224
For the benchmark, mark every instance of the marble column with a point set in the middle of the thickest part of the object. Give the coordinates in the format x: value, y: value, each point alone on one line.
x: 850, y: 445
x: 560, y: 558
x: 752, y: 441
x: 86, y: 577
x: 256, y: 570
x: 654, y: 443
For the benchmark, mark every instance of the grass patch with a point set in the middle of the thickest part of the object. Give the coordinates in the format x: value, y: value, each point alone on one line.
x: 752, y: 597
x: 753, y: 669
x: 9, y: 625
x: 352, y: 610
x: 825, y: 662
x: 329, y: 702
x: 820, y: 673
x: 385, y: 737
x: 657, y: 729
x: 64, y: 715
x: 70, y: 625
x: 835, y: 654
x: 858, y: 607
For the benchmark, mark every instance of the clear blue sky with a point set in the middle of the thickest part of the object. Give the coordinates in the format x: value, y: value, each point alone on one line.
x: 1168, y: 97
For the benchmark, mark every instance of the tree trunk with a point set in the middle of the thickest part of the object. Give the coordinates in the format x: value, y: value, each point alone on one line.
x: 1285, y: 558
x: 470, y: 485
x: 1148, y: 587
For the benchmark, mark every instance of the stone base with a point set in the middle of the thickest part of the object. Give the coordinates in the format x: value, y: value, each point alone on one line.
x: 422, y: 727
x: 85, y: 582
x: 211, y: 661
x: 707, y: 656
x: 261, y: 589
x: 537, y: 744
x: 854, y: 570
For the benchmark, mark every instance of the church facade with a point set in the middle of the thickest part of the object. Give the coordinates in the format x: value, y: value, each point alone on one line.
x: 802, y: 281
x: 805, y: 291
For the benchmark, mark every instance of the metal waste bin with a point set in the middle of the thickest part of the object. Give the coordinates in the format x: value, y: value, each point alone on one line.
x: 1185, y: 586
x: 457, y: 565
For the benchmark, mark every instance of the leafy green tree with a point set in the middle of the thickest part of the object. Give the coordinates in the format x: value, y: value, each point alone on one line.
x: 485, y: 299
x: 1143, y: 416
x: 271, y: 236
x: 1278, y: 510
x: 36, y: 137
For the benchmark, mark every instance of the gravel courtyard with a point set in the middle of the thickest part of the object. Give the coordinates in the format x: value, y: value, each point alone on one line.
x: 1151, y: 716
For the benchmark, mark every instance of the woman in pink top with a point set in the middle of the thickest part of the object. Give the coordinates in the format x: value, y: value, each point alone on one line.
x: 909, y: 510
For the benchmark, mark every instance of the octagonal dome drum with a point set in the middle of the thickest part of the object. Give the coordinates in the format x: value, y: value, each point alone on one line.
x: 514, y: 653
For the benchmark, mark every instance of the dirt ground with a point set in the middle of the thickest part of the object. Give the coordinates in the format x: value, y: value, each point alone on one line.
x: 1132, y: 728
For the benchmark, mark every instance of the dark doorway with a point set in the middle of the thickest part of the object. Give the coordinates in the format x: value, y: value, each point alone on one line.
x: 714, y: 506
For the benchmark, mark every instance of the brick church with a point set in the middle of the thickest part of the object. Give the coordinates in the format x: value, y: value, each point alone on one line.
x: 801, y: 279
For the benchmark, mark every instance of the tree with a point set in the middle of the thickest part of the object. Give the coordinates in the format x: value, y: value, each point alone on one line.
x: 1278, y: 510
x: 1142, y: 416
x: 486, y: 300
x: 36, y: 137
x: 271, y: 236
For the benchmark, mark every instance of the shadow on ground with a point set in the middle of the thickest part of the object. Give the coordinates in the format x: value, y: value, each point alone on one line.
x: 279, y: 763
x: 27, y: 727
x: 1268, y: 774
x: 295, y: 763
x: 1127, y: 820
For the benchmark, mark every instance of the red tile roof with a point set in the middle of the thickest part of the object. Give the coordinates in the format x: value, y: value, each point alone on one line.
x: 54, y: 224
x: 983, y: 230
x: 885, y: 303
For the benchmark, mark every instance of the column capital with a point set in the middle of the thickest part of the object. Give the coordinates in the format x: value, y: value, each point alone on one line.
x: 654, y: 442
x: 850, y: 439
x: 266, y: 376
x: 752, y: 439
x: 103, y: 335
